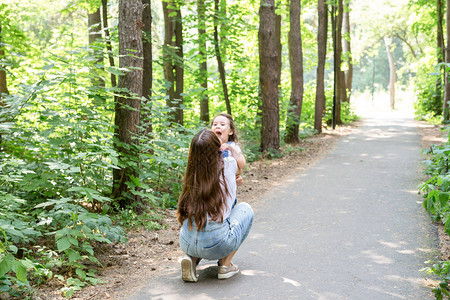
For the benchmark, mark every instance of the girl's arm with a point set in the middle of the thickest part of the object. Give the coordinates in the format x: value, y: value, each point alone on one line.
x: 238, y: 156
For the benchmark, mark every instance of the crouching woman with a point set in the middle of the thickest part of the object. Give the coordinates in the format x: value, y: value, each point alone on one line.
x: 211, y: 228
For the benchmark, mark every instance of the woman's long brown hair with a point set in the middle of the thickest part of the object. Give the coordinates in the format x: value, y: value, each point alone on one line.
x: 204, y: 190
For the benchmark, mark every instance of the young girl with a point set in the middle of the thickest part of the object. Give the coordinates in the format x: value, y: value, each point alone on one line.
x: 223, y: 126
x: 211, y: 228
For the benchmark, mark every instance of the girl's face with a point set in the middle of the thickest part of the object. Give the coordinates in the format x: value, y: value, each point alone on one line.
x: 221, y: 127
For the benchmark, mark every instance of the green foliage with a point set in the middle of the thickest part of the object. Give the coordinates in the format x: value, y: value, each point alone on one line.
x: 428, y: 105
x: 442, y: 270
x: 436, y: 192
x: 57, y: 146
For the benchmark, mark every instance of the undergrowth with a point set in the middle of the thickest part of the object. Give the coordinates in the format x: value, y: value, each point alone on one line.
x: 436, y: 193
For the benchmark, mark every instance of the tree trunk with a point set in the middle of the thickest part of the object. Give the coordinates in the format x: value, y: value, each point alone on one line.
x: 268, y: 77
x: 95, y: 34
x: 440, y: 52
x: 173, y: 73
x: 279, y: 47
x: 336, y: 103
x: 296, y: 63
x: 108, y: 40
x: 387, y: 42
x: 322, y: 51
x: 341, y: 94
x: 219, y: 53
x: 203, y: 70
x: 179, y: 69
x: 147, y: 76
x: 3, y: 83
x: 347, y: 50
x: 445, y: 113
x: 128, y: 106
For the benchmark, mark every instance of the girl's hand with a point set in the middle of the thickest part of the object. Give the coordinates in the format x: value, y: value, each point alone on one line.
x: 239, y: 180
x: 224, y: 146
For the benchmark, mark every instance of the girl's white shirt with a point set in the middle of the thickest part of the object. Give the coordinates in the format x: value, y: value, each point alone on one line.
x: 230, y: 169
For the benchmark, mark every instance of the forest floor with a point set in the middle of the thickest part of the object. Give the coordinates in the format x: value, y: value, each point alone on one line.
x: 126, y: 267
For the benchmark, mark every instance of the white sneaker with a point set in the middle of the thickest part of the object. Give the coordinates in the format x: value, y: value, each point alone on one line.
x: 188, y: 272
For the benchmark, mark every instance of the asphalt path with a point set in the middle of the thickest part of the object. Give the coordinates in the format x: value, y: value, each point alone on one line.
x: 350, y: 227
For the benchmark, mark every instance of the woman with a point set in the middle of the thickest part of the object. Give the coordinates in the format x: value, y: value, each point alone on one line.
x: 211, y: 228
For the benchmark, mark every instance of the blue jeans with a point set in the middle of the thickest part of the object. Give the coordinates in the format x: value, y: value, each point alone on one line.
x: 216, y: 240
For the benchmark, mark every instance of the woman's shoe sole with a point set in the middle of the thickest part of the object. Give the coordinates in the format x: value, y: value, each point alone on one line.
x: 187, y: 270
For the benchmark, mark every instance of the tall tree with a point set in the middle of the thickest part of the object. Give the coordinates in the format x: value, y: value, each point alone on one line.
x: 179, y: 67
x: 346, y: 47
x: 173, y: 59
x: 203, y: 69
x: 440, y: 49
x: 128, y: 105
x: 95, y: 34
x: 445, y: 105
x: 108, y: 39
x: 340, y: 84
x: 388, y: 44
x: 268, y: 77
x: 339, y: 95
x: 147, y: 76
x: 220, y: 51
x: 3, y: 82
x: 278, y: 45
x: 322, y: 51
x: 296, y: 64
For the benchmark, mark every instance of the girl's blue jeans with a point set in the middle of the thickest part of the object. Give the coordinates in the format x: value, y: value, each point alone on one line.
x: 216, y: 240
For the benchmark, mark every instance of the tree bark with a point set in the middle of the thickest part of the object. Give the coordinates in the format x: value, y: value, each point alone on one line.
x: 341, y: 93
x: 128, y: 106
x: 296, y: 64
x: 3, y: 82
x: 440, y: 51
x: 219, y: 54
x: 387, y: 42
x: 203, y: 68
x: 322, y: 51
x: 268, y: 77
x: 147, y: 76
x: 108, y: 40
x: 179, y: 68
x: 279, y: 47
x: 346, y: 46
x: 445, y: 113
x: 172, y: 51
x: 95, y: 34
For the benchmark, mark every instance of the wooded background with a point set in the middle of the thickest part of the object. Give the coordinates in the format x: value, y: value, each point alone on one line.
x: 100, y: 99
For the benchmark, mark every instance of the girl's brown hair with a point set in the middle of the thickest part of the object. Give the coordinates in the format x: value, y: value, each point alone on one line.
x: 233, y: 137
x: 204, y: 189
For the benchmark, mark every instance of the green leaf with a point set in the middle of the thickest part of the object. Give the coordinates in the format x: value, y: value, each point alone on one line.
x: 48, y: 67
x: 20, y: 270
x: 81, y: 273
x: 68, y: 292
x: 73, y: 241
x: 63, y: 244
x: 6, y: 264
x: 73, y: 255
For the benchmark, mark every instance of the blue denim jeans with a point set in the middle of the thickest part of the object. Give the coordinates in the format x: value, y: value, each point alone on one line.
x: 216, y: 240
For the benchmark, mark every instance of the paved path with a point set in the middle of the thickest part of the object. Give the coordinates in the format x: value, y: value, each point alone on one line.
x: 350, y: 227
